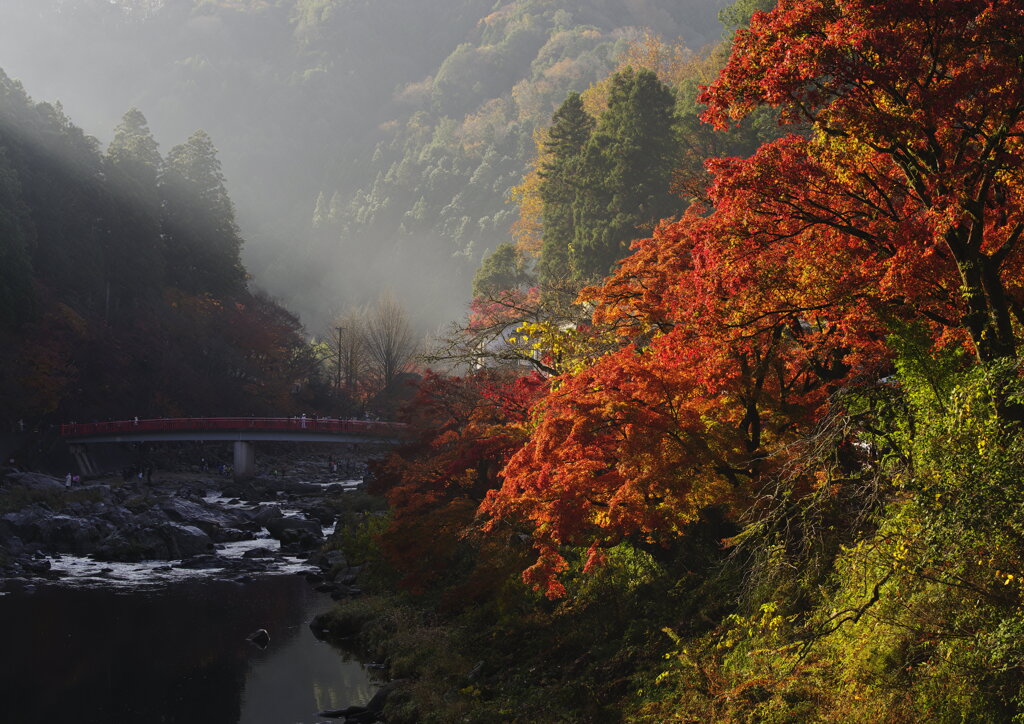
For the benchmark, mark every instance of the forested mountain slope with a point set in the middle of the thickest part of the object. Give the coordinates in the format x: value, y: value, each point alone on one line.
x: 368, y: 144
x: 122, y: 290
x: 768, y: 469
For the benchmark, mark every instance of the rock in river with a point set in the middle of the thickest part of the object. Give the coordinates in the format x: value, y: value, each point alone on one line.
x: 296, y: 531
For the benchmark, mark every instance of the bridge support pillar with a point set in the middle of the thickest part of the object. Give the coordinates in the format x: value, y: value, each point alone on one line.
x: 245, y: 459
x: 82, y: 459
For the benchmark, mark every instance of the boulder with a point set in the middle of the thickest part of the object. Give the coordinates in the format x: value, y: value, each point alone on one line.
x: 299, y: 541
x: 200, y: 515
x: 203, y: 562
x: 323, y: 514
x: 55, y: 533
x: 71, y: 534
x: 260, y: 552
x: 260, y: 637
x: 132, y: 545
x: 294, y: 530
x: 162, y: 541
x: 230, y: 535
x: 251, y: 565
x: 185, y: 541
x: 37, y: 567
x: 117, y: 515
x: 267, y: 514
x: 35, y: 481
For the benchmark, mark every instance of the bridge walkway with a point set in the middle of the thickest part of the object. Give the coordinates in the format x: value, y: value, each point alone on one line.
x: 243, y: 431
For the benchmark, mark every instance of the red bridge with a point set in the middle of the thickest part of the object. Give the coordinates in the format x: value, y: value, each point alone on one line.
x: 243, y: 431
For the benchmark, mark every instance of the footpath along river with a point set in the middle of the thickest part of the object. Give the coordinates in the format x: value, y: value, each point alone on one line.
x: 166, y: 640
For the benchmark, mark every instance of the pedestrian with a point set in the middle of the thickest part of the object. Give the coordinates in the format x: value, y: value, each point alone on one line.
x: 303, y: 420
x: 67, y: 480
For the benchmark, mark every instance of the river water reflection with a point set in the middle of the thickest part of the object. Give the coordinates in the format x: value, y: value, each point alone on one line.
x: 173, y: 654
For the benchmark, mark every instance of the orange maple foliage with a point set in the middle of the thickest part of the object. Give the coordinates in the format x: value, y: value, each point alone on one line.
x: 689, y: 413
x: 904, y: 202
x: 915, y: 164
x: 462, y: 431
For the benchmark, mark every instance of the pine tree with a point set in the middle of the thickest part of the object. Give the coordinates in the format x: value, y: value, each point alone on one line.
x: 135, y: 268
x: 134, y: 146
x: 626, y: 173
x: 501, y: 270
x: 203, y: 244
x: 571, y: 127
x: 16, y: 294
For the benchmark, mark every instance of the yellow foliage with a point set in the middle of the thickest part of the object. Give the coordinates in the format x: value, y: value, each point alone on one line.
x: 528, y: 227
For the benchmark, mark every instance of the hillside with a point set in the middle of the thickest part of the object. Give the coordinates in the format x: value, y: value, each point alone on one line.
x: 122, y: 291
x: 367, y: 145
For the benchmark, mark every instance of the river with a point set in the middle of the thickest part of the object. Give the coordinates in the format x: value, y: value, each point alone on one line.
x: 173, y: 653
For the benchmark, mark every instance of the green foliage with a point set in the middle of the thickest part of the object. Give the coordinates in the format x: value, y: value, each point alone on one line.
x: 16, y: 293
x: 359, y: 541
x: 136, y: 261
x: 134, y: 145
x: 570, y: 130
x: 93, y: 322
x: 202, y: 237
x: 624, y: 178
x: 502, y: 270
x: 917, y: 611
x: 739, y: 13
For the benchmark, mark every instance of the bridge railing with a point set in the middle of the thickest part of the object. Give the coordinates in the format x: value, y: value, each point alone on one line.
x: 370, y: 428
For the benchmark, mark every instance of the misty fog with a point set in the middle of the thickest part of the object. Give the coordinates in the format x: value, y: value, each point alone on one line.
x: 367, y: 146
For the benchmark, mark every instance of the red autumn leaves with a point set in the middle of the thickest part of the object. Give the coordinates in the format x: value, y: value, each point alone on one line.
x: 896, y: 199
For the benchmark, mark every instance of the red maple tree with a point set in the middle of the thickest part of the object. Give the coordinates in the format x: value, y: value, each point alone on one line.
x: 897, y: 198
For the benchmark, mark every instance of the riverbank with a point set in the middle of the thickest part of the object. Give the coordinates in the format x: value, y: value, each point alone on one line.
x: 159, y: 527
x: 190, y: 552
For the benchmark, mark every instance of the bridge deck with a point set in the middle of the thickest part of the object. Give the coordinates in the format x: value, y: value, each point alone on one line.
x: 233, y: 428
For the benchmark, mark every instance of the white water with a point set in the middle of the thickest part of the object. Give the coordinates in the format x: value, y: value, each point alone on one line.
x: 81, y: 571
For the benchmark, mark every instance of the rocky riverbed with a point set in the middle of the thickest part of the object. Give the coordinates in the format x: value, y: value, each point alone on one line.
x: 110, y: 531
x: 183, y: 533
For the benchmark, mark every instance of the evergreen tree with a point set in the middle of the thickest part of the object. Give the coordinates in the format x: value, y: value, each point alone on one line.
x: 16, y: 295
x: 571, y: 127
x: 203, y: 244
x: 626, y: 173
x: 739, y: 13
x: 60, y: 172
x: 135, y: 266
x: 501, y: 270
x: 134, y: 146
